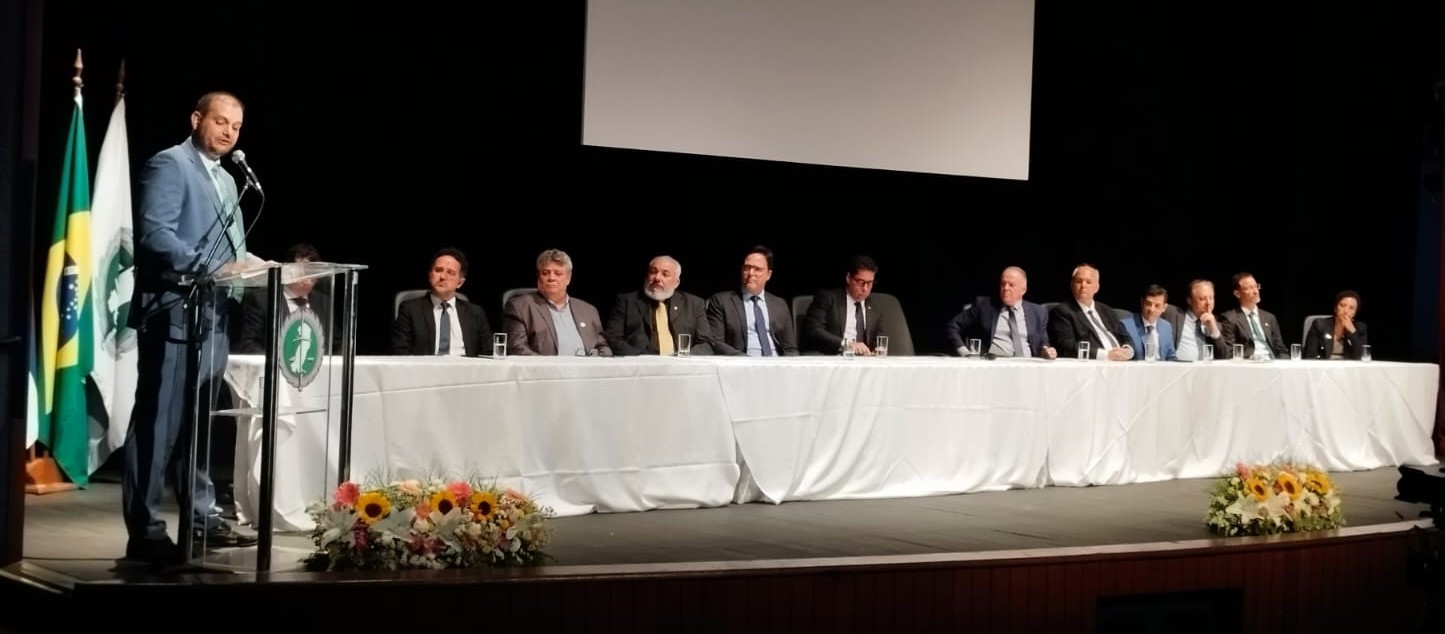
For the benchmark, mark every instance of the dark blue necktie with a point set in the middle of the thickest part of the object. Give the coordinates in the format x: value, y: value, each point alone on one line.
x: 760, y: 325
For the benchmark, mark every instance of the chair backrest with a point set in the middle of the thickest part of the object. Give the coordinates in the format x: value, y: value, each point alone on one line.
x: 1123, y: 315
x: 1310, y: 321
x: 513, y: 292
x: 413, y: 294
x: 900, y: 338
x: 800, y: 310
x: 1049, y: 306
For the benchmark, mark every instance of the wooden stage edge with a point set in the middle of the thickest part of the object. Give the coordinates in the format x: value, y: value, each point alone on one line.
x: 1353, y: 576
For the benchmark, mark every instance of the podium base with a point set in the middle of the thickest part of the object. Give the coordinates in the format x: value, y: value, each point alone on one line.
x: 42, y: 477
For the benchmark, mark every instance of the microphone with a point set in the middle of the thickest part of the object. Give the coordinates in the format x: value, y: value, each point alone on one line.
x: 239, y: 157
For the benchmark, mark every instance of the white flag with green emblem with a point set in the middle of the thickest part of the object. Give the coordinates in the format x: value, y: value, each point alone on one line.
x: 114, y: 374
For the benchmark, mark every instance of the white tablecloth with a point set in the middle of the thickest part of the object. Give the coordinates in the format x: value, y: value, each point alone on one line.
x: 588, y: 434
x: 580, y: 434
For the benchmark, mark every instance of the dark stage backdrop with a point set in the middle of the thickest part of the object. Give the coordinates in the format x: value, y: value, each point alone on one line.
x: 1167, y: 144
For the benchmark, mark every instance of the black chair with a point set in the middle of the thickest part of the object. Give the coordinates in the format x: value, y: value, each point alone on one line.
x: 800, y: 311
x: 413, y: 294
x: 513, y: 292
x: 900, y: 338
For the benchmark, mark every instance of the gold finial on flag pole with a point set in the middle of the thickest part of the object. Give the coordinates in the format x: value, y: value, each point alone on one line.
x: 79, y: 66
x: 120, y: 82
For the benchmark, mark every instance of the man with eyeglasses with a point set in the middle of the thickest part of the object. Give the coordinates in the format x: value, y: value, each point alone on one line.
x: 845, y: 316
x: 1257, y: 330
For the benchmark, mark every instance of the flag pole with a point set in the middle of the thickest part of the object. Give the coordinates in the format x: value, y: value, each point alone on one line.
x: 42, y: 474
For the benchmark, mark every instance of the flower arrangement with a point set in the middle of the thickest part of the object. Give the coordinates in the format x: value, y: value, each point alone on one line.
x: 434, y: 524
x: 1274, y: 498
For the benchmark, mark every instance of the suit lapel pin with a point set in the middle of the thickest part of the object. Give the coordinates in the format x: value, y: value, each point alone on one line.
x: 582, y: 324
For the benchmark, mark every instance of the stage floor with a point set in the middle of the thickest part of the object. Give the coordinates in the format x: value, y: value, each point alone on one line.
x: 79, y: 535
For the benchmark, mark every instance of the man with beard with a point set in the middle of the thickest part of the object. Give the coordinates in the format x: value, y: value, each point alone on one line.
x: 649, y: 320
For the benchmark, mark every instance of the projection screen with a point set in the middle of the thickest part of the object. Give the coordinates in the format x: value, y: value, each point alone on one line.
x: 933, y: 86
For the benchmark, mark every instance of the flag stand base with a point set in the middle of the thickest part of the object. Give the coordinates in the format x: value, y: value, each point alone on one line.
x: 42, y: 476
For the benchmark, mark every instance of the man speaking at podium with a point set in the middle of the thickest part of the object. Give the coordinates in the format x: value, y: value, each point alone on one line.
x: 189, y: 223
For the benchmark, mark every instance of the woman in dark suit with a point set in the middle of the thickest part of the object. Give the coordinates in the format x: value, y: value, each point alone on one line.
x: 1339, y: 336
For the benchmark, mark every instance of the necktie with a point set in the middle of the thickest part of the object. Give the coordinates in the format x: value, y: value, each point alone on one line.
x: 1013, y: 332
x: 444, y: 332
x: 860, y: 330
x: 760, y: 325
x: 1258, y: 334
x: 1104, y: 334
x: 1199, y: 338
x: 1148, y: 337
x: 301, y: 303
x: 664, y: 330
x: 226, y: 188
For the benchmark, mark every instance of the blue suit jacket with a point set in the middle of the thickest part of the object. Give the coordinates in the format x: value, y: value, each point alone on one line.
x: 977, y: 321
x: 1135, y: 326
x: 178, y: 226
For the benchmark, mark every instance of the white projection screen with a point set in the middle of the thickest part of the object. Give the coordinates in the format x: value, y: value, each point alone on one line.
x: 934, y: 86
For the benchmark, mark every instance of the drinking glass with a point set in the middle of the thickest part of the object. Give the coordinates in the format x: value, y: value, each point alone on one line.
x: 684, y: 345
x: 1083, y: 351
x: 1238, y: 352
x: 499, y: 345
x: 1296, y: 352
x: 975, y: 347
x: 1365, y: 353
x: 880, y: 346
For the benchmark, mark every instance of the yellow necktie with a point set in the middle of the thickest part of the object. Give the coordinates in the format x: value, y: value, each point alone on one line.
x: 664, y: 332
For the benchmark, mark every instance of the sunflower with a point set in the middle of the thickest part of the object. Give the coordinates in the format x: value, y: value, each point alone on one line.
x: 1318, y: 482
x: 483, y: 504
x: 1257, y: 488
x: 443, y: 501
x: 372, y: 506
x: 1287, y: 483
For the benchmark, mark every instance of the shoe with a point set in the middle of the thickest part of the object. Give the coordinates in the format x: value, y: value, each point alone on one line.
x: 153, y: 552
x: 223, y: 536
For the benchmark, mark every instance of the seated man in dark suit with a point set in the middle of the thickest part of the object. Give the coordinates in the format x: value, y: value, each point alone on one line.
x: 658, y: 307
x: 845, y: 311
x: 1009, y: 325
x: 1082, y: 319
x: 300, y: 295
x: 440, y: 323
x: 1149, y: 332
x: 749, y: 322
x: 1196, y: 330
x: 1257, y: 330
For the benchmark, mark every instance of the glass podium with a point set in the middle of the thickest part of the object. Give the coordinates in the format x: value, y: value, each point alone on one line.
x: 292, y: 328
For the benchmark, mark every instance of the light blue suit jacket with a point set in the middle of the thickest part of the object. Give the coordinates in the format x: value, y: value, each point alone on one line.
x: 1135, y: 325
x: 179, y: 228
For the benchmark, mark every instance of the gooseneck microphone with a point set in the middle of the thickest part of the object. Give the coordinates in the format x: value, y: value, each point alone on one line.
x: 239, y: 158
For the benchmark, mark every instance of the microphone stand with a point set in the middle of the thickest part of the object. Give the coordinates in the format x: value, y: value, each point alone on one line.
x: 197, y: 331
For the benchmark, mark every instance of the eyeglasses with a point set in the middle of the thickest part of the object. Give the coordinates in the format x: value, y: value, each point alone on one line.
x: 1256, y: 287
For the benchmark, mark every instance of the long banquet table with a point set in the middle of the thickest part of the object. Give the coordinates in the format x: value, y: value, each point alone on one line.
x: 639, y: 433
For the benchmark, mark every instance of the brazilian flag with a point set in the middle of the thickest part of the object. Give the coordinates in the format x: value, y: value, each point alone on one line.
x: 66, y: 340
